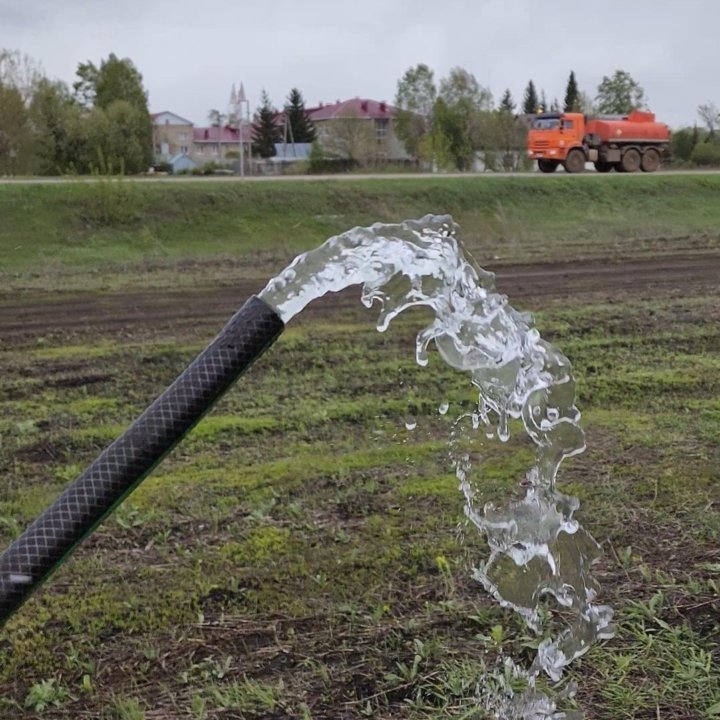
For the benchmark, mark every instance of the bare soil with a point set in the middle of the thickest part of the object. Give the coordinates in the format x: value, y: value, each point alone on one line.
x: 39, y: 315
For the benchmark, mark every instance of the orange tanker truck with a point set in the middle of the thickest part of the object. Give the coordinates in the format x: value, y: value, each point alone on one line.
x: 626, y: 143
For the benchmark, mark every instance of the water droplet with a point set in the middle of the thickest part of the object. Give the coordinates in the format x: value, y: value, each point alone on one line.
x: 443, y: 407
x: 410, y: 423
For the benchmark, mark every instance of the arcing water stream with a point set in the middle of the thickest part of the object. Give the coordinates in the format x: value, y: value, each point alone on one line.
x: 538, y: 551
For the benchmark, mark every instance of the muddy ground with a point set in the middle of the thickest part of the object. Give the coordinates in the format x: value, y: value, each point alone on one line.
x: 530, y: 286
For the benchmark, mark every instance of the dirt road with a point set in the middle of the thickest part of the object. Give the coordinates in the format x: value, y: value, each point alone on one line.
x: 530, y: 286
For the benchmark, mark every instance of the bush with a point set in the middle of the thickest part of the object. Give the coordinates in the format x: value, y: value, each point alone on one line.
x: 706, y: 154
x: 682, y: 143
x: 213, y: 168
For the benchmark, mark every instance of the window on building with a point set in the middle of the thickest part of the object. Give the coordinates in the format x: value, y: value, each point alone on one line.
x: 183, y: 148
x: 381, y: 130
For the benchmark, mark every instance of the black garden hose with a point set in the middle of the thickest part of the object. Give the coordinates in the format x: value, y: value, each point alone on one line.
x: 118, y: 470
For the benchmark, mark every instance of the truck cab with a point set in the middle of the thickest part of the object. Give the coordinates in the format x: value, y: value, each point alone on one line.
x: 552, y: 139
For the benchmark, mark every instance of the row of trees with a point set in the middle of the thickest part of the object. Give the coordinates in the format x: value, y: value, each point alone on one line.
x: 101, y: 123
x: 449, y: 122
x: 617, y: 94
x: 295, y: 125
x: 346, y: 142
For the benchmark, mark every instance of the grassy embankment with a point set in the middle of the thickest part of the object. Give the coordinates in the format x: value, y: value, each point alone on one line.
x: 297, y: 556
x: 155, y: 231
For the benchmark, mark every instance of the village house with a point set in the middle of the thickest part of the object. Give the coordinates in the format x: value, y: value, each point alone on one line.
x: 366, y: 124
x: 178, y: 143
x: 359, y: 129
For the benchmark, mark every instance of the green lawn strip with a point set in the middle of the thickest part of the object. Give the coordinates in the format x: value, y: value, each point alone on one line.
x: 54, y: 229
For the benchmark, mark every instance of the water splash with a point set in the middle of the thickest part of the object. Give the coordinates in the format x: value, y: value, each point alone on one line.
x: 538, y: 550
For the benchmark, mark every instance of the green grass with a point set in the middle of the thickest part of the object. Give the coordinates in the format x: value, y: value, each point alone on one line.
x: 153, y: 232
x: 298, y: 555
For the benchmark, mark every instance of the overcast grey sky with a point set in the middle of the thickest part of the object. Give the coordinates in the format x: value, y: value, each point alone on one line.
x: 190, y: 53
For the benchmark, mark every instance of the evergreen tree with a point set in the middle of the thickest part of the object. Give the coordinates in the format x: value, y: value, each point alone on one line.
x: 507, y: 104
x: 543, y: 101
x: 302, y: 128
x: 572, y: 95
x: 530, y: 99
x: 265, y: 133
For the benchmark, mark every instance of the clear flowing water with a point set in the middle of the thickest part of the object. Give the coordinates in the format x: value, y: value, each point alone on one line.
x: 540, y: 557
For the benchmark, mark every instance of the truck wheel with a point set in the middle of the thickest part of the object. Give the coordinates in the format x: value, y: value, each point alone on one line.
x: 630, y: 161
x: 602, y: 167
x: 547, y: 166
x: 575, y: 161
x: 650, y: 160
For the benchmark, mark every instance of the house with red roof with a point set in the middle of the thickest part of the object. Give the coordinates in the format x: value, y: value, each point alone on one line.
x: 220, y: 144
x: 360, y: 129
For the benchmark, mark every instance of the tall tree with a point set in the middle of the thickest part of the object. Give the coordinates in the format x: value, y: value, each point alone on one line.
x: 15, y: 133
x: 470, y: 102
x: 530, y: 99
x: 85, y: 86
x: 572, y: 95
x: 451, y: 139
x: 461, y: 88
x: 265, y: 132
x: 352, y: 137
x: 125, y: 145
x: 414, y: 99
x: 19, y: 75
x: 504, y: 139
x: 57, y: 119
x: 302, y: 128
x: 507, y: 104
x: 710, y: 115
x: 619, y: 94
x: 118, y: 80
x: 19, y: 71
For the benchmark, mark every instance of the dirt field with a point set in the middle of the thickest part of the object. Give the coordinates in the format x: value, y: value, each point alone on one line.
x: 38, y: 315
x: 297, y: 556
